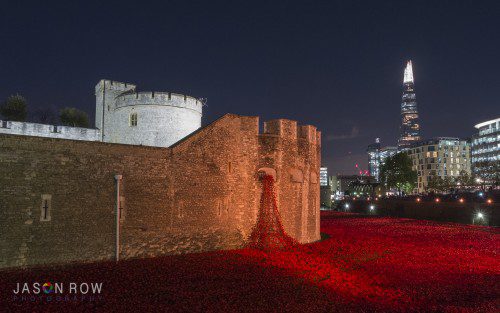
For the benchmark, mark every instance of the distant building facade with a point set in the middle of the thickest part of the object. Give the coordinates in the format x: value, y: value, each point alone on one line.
x: 486, y: 150
x: 343, y: 182
x: 325, y: 188
x: 443, y: 157
x: 410, y: 127
x: 323, y: 176
x: 377, y: 156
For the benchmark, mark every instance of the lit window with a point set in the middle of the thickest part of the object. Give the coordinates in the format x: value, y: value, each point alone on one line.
x: 133, y: 119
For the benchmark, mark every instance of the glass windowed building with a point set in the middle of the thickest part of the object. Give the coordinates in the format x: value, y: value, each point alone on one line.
x: 443, y: 157
x: 323, y: 176
x: 377, y: 156
x: 486, y: 151
x: 410, y: 127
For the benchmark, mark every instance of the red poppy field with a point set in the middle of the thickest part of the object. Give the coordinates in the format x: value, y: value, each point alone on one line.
x: 364, y: 264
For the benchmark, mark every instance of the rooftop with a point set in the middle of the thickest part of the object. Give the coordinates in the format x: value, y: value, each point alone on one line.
x: 487, y: 123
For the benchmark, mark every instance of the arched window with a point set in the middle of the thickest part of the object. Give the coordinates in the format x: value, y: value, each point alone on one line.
x: 133, y: 119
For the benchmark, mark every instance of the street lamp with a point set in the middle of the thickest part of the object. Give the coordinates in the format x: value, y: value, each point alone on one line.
x: 479, y: 218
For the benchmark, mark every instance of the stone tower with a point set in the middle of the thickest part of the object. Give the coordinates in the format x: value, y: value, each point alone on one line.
x: 156, y: 119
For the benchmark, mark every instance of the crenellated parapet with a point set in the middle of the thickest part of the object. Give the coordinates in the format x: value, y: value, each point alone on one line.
x: 159, y: 98
x: 293, y: 153
x: 106, y: 84
x: 201, y: 193
x: 281, y: 127
x: 308, y: 133
x: 235, y: 150
x: 148, y: 118
x: 290, y: 130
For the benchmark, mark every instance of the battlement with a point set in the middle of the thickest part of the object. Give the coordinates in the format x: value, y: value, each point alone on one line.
x: 282, y: 128
x: 49, y: 131
x: 113, y: 85
x: 308, y: 132
x: 289, y: 129
x: 159, y: 98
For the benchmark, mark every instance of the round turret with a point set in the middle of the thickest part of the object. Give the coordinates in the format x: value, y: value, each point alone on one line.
x: 149, y: 118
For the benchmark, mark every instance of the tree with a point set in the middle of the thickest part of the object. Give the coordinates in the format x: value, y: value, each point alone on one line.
x: 448, y: 183
x: 74, y: 117
x: 465, y: 179
x: 397, y: 173
x: 436, y: 183
x: 14, y: 109
x: 45, y: 116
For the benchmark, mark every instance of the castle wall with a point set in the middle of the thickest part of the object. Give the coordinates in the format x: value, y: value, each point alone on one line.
x: 200, y: 194
x: 162, y: 118
x: 79, y: 178
x: 49, y: 131
x: 213, y: 193
x: 295, y: 152
x: 106, y: 92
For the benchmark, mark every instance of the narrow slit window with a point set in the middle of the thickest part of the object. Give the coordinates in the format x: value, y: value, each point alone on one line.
x: 180, y: 213
x: 133, y: 119
x: 46, y: 208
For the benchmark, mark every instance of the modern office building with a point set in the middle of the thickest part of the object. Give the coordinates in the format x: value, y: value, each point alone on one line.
x: 410, y: 128
x: 443, y: 157
x: 486, y: 151
x: 325, y: 189
x: 323, y: 176
x: 374, y: 158
x: 377, y: 156
x: 342, y: 182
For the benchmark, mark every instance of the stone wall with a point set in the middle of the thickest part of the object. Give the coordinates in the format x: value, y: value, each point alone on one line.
x: 200, y: 194
x: 163, y: 118
x: 49, y: 131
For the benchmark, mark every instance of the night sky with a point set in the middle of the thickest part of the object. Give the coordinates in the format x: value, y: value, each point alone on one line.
x: 336, y: 65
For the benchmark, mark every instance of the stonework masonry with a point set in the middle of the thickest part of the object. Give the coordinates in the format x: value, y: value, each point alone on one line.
x: 58, y: 197
x: 49, y: 131
x: 161, y: 118
x: 123, y: 115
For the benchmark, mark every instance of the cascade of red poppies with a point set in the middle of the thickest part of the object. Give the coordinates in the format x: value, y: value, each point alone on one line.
x: 268, y: 233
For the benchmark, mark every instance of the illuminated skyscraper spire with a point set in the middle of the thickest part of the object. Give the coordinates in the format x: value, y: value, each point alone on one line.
x: 410, y: 128
x: 408, y: 77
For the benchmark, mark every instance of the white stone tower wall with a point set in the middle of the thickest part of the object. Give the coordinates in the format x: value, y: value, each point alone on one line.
x: 162, y: 118
x: 106, y: 92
